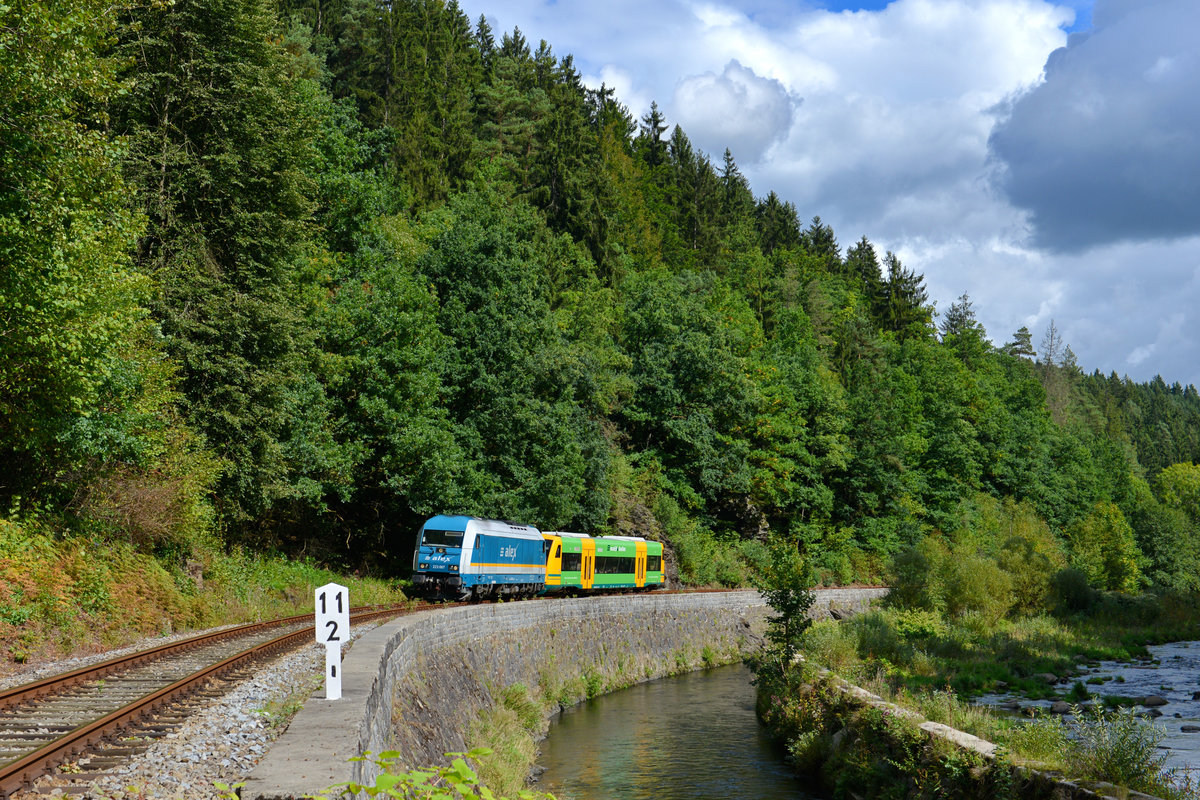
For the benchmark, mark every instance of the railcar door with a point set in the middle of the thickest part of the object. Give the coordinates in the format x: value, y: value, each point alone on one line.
x: 588, y: 572
x: 553, y: 561
x: 639, y: 566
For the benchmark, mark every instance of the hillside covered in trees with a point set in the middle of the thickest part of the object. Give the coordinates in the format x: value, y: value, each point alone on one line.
x: 297, y: 275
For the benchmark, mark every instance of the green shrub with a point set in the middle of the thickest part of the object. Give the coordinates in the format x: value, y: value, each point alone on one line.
x: 1119, y: 748
x: 877, y: 638
x: 917, y: 623
x: 1031, y: 556
x: 917, y: 578
x: 1103, y: 547
x: 456, y: 781
x: 975, y: 584
x: 1072, y: 592
x: 831, y: 645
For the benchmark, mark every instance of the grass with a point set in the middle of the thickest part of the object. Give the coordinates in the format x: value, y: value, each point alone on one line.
x: 76, y: 595
x: 278, y: 712
x: 1096, y: 745
x: 920, y: 650
x: 925, y: 662
x: 507, y: 730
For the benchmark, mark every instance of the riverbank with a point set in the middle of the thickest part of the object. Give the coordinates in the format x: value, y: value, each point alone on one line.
x: 856, y: 743
x: 932, y: 664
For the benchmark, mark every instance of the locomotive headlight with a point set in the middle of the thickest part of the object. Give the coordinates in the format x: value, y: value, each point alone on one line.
x: 441, y: 549
x: 423, y: 566
x: 454, y: 567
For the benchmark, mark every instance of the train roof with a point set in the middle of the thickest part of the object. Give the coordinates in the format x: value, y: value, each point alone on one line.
x: 448, y: 522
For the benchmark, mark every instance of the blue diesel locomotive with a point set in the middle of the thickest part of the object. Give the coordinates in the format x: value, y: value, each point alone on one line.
x: 467, y: 557
x: 470, y: 558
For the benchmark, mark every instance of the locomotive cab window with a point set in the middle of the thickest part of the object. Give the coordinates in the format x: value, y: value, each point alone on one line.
x: 449, y: 538
x: 654, y: 563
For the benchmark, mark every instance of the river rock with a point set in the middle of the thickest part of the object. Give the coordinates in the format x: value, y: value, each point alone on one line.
x: 1011, y: 705
x: 1190, y: 728
x: 1196, y: 695
x: 1060, y: 707
x: 1003, y: 685
x: 1152, y: 700
x: 1048, y: 677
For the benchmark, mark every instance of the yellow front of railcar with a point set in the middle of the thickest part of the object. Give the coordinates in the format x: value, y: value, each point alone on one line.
x: 553, y: 563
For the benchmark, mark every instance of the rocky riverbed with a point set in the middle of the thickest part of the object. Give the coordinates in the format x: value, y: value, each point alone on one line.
x: 1165, y: 689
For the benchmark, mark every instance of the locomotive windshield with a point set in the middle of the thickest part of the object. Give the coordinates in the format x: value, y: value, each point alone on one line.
x: 450, y: 538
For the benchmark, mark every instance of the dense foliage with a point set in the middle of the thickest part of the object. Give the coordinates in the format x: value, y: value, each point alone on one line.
x: 302, y: 273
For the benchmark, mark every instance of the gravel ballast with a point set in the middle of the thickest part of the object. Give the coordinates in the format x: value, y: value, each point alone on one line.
x: 222, y: 742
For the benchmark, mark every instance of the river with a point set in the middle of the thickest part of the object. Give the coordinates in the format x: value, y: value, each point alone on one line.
x: 1172, y: 672
x: 691, y: 737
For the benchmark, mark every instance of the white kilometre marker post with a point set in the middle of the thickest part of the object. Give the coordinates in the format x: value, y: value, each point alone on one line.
x: 332, y: 604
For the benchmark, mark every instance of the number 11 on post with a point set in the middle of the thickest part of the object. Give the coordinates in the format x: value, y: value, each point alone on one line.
x: 332, y: 607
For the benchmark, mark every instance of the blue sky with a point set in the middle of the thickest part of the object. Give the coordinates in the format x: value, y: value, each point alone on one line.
x: 1042, y: 156
x: 1082, y: 8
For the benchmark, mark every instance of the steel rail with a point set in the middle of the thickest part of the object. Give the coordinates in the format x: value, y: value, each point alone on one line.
x: 22, y: 772
x: 16, y: 695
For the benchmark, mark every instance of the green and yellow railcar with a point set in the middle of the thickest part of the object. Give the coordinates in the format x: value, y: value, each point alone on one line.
x: 576, y: 562
x: 571, y: 562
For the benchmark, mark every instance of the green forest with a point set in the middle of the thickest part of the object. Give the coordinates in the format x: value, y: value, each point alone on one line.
x: 293, y: 275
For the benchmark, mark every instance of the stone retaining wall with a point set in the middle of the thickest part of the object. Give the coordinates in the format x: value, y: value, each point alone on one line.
x: 416, y: 684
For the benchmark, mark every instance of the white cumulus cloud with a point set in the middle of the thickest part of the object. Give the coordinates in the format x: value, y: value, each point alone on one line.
x: 748, y: 112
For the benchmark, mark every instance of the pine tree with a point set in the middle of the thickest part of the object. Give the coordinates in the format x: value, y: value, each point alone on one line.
x: 1021, y: 344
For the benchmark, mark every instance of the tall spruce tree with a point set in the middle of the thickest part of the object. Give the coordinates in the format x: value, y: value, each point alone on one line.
x: 221, y: 130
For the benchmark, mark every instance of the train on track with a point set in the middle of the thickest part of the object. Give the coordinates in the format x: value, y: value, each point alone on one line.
x: 467, y: 558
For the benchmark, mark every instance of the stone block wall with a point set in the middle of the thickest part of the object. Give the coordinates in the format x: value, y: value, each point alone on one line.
x: 416, y: 684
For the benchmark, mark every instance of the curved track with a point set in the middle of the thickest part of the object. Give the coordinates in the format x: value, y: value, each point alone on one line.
x: 55, y: 721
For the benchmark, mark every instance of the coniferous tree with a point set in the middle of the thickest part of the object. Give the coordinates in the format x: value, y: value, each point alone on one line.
x: 862, y: 264
x: 737, y: 201
x: 904, y: 308
x: 653, y: 147
x: 1021, y: 344
x: 778, y: 225
x: 221, y: 134
x: 818, y: 240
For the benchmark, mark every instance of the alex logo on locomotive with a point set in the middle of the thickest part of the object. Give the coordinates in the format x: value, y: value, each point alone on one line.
x: 465, y: 558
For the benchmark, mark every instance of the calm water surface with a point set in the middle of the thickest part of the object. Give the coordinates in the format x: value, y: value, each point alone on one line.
x: 693, y: 737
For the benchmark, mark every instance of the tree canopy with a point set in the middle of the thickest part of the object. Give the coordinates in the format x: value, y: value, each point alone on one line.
x: 304, y: 273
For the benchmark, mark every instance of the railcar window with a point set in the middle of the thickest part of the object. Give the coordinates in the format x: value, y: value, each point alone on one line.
x: 572, y: 562
x: 451, y: 538
x: 615, y: 565
x: 653, y: 563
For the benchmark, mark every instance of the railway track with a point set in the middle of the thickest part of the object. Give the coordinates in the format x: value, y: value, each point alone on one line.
x: 85, y: 722
x: 82, y: 725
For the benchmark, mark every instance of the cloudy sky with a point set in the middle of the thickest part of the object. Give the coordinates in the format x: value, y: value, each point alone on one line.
x: 1043, y: 157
